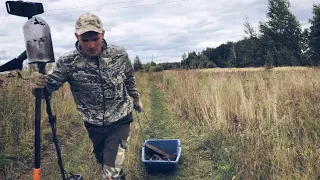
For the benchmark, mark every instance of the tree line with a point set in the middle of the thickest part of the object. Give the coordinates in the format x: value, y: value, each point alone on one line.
x: 279, y: 41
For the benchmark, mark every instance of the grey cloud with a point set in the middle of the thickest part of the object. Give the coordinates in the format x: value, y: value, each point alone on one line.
x: 164, y: 30
x: 3, y: 33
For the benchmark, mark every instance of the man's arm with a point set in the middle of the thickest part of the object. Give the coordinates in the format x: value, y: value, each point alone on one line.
x: 52, y: 81
x: 130, y: 81
x: 56, y: 77
x: 130, y: 78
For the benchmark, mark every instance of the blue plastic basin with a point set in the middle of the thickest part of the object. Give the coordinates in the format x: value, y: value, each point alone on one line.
x: 170, y: 146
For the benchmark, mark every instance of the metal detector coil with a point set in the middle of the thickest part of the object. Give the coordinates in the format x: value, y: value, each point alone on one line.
x: 38, y: 41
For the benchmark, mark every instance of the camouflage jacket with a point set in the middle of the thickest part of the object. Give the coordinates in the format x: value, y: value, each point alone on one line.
x: 101, y: 86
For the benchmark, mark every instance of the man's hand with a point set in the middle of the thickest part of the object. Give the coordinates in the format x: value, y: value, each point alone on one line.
x: 37, y: 80
x: 137, y: 105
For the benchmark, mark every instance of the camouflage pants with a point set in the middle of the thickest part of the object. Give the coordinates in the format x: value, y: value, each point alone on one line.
x: 109, y: 145
x: 109, y: 172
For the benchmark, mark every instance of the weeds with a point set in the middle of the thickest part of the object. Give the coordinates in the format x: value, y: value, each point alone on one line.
x: 250, y: 123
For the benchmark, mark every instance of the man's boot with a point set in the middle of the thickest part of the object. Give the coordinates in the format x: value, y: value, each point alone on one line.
x: 122, y: 175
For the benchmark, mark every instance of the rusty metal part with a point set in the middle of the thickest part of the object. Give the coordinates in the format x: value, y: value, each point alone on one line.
x: 166, y: 155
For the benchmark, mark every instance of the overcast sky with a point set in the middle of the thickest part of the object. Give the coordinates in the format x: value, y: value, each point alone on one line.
x: 162, y: 28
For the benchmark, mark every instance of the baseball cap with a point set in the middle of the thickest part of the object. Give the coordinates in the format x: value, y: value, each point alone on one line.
x: 88, y: 22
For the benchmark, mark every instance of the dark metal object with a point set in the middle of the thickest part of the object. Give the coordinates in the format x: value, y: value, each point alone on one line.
x: 166, y: 155
x: 24, y: 9
x: 14, y: 64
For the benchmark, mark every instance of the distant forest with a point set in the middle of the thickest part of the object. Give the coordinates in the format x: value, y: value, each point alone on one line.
x: 279, y: 41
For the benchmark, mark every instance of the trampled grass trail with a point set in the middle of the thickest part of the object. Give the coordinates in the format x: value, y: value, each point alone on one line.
x: 165, y: 124
x: 158, y: 124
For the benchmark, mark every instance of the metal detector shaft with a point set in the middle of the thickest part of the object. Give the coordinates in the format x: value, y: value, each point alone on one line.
x: 52, y: 121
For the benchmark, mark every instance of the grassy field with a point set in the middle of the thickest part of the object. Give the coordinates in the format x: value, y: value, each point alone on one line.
x: 249, y: 123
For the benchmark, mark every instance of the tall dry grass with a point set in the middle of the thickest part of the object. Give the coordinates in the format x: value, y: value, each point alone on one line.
x: 17, y: 139
x: 17, y: 131
x: 15, y: 127
x: 234, y: 123
x: 255, y: 124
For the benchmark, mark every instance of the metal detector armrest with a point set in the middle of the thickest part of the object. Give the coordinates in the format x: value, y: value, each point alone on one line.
x: 14, y: 64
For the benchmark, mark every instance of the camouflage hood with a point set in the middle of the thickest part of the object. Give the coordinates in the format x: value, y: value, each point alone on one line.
x: 101, y: 86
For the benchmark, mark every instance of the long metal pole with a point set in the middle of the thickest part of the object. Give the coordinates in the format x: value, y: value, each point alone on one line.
x: 37, y: 134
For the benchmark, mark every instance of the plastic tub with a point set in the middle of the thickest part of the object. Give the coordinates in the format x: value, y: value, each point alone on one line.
x: 157, y: 162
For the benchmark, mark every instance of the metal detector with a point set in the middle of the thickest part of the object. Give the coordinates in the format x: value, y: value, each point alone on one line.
x: 39, y: 50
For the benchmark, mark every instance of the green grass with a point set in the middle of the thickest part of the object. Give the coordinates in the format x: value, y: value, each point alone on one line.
x: 277, y: 136
x: 76, y: 156
x: 158, y: 125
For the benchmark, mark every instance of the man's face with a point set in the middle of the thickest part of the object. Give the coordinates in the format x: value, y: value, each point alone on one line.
x: 91, y: 43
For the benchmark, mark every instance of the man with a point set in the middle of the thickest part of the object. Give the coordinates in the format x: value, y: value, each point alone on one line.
x: 101, y: 79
